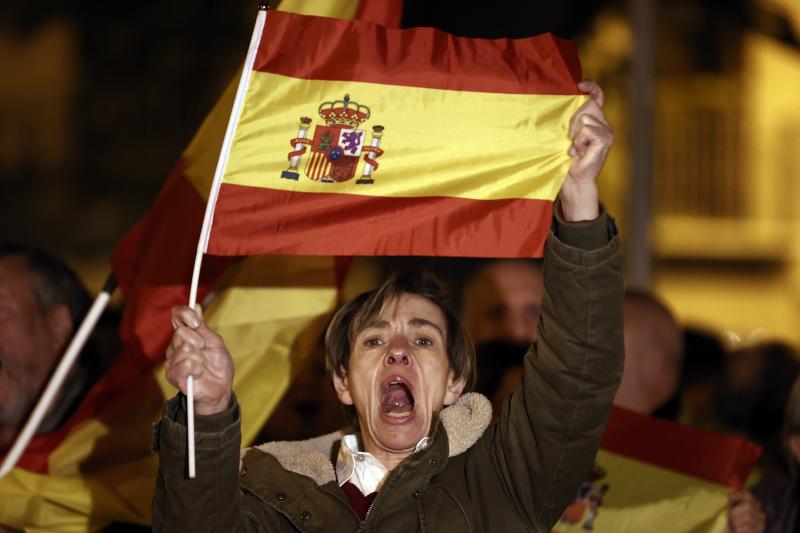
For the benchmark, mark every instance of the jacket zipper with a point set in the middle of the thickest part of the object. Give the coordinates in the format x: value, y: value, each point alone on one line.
x: 366, y: 516
x: 392, y: 474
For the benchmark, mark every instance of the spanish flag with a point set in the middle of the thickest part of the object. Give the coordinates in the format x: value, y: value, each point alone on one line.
x: 656, y: 475
x: 356, y: 139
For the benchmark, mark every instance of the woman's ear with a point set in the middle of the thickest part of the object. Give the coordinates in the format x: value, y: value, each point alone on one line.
x: 454, y: 389
x: 342, y: 388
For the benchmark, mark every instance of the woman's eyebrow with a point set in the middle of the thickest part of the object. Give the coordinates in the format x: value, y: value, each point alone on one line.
x: 376, y: 323
x: 417, y: 322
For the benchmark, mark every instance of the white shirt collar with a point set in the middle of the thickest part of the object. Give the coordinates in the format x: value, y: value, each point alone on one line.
x: 362, y: 469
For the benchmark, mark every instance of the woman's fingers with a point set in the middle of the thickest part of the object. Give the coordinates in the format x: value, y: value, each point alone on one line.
x: 184, y: 363
x: 186, y: 316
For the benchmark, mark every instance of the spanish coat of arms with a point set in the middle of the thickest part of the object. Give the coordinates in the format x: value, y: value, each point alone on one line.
x: 336, y: 147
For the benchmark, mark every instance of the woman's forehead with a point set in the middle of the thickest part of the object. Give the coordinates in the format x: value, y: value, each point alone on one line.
x: 410, y: 309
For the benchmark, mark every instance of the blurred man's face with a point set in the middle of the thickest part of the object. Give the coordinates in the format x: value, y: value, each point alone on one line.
x: 504, y: 302
x: 653, y: 357
x: 399, y: 376
x: 30, y: 342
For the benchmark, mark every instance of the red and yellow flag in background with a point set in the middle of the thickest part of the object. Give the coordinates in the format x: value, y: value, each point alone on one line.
x: 656, y: 475
x: 359, y: 139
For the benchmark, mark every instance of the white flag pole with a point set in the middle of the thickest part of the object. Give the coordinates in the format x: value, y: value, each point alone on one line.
x: 59, y: 376
x: 205, y: 232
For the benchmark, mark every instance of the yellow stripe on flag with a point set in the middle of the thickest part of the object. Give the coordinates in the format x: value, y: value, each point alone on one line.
x: 73, y: 504
x: 436, y: 142
x: 339, y: 9
x: 201, y: 156
x: 103, y: 472
x: 642, y: 497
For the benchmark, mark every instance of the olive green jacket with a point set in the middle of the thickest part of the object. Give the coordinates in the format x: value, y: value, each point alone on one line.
x: 516, y: 475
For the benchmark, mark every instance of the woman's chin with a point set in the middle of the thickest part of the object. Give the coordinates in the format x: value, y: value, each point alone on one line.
x: 400, y: 434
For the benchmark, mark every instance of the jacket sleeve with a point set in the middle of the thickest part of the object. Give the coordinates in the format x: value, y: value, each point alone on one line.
x: 550, y: 428
x: 211, y: 501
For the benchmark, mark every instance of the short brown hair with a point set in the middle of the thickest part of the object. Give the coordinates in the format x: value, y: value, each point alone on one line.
x: 353, y: 317
x: 53, y: 282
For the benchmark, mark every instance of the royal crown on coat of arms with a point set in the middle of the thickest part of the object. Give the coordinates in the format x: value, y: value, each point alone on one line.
x: 336, y: 147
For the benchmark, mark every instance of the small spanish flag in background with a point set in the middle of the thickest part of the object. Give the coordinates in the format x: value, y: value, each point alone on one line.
x: 357, y: 139
x: 657, y: 475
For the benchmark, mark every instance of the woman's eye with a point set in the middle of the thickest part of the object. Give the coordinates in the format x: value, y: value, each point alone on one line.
x: 424, y: 341
x: 373, y: 342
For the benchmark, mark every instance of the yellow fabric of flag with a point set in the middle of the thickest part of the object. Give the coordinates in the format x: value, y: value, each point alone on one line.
x: 463, y: 144
x: 338, y: 9
x: 643, y: 497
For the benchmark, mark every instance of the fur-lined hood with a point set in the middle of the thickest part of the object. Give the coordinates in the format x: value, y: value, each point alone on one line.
x: 464, y: 422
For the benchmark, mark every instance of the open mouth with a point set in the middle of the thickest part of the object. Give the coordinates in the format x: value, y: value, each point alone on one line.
x: 397, y: 400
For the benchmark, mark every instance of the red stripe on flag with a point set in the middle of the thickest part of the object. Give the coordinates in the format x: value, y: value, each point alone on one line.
x: 322, y: 48
x: 368, y: 225
x: 153, y: 265
x: 387, y: 13
x: 715, y: 457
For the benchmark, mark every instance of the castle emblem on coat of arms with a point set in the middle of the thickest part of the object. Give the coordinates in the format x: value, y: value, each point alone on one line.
x: 336, y: 147
x: 586, y: 506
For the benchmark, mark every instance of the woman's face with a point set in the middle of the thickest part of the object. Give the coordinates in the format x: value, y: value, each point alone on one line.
x: 399, y: 375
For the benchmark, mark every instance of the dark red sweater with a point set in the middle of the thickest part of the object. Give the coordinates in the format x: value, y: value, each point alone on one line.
x: 358, y: 501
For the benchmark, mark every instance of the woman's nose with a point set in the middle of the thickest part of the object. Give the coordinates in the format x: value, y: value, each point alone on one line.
x: 398, y: 352
x: 397, y: 358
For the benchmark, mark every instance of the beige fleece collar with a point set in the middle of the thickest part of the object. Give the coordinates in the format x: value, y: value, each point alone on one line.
x: 464, y: 422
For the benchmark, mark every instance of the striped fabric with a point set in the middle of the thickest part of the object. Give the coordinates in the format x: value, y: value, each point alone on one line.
x: 656, y: 475
x: 356, y: 139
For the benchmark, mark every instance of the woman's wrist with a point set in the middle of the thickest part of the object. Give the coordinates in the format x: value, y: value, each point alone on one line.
x: 580, y: 201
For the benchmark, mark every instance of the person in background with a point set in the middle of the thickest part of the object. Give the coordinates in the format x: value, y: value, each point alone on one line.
x: 703, y: 364
x: 653, y: 355
x: 502, y: 301
x: 653, y: 351
x: 42, y: 302
x: 752, y: 396
x: 501, y: 304
x: 780, y: 494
